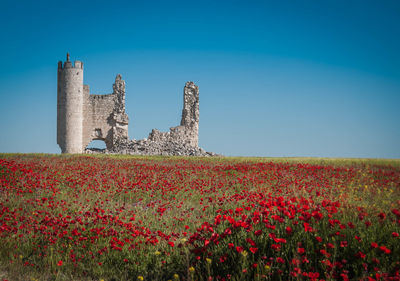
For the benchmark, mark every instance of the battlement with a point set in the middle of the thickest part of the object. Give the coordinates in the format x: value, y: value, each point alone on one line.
x: 68, y: 64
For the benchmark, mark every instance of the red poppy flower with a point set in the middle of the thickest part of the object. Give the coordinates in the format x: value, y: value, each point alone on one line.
x: 300, y: 251
x: 253, y: 250
x: 280, y: 260
x: 384, y: 249
x: 239, y: 249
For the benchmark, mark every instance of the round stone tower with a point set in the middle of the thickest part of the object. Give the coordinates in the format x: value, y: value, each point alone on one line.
x: 70, y: 106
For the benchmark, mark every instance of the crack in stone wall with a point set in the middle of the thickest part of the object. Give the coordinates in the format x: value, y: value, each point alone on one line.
x: 83, y: 117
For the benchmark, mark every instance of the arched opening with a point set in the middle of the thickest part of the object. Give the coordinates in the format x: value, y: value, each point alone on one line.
x: 96, y: 146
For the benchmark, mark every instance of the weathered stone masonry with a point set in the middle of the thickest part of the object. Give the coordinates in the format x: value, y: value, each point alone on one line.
x: 83, y: 117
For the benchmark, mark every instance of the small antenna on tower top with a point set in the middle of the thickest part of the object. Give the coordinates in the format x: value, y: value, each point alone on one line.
x: 67, y: 56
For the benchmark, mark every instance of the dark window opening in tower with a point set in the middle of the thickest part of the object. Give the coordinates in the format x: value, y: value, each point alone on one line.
x: 98, y: 133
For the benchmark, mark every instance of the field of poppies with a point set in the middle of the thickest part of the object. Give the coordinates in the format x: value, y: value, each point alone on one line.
x: 157, y: 218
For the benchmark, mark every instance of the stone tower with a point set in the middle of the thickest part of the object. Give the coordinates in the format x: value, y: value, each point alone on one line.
x: 70, y: 106
x: 82, y: 117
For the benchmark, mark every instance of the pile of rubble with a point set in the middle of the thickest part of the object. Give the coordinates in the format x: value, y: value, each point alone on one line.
x: 151, y: 147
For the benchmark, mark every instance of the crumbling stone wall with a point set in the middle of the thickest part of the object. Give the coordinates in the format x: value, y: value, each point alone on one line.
x: 82, y: 117
x: 180, y: 140
x: 188, y: 132
x: 105, y: 117
x: 191, y: 113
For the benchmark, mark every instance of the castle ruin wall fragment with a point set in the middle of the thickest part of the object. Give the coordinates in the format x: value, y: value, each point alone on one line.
x: 83, y: 117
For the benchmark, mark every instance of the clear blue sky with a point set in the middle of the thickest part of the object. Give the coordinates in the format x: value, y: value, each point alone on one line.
x: 276, y: 78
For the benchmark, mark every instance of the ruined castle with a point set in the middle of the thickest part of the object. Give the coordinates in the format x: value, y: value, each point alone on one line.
x: 83, y: 117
